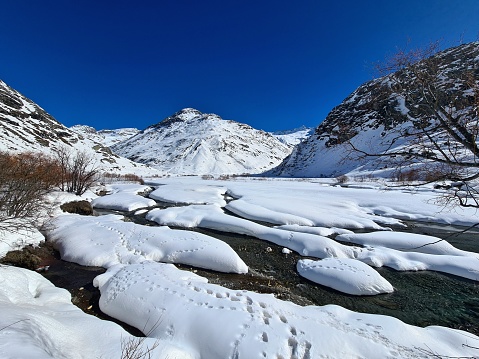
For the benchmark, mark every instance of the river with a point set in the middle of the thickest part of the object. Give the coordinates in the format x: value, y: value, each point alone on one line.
x: 420, y: 298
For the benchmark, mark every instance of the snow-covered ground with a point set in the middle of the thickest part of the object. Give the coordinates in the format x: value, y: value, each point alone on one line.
x: 190, y: 318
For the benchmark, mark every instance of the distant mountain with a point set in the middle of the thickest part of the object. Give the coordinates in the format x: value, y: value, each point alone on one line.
x: 370, y: 118
x: 192, y: 143
x: 26, y: 127
x: 106, y: 137
x: 293, y: 137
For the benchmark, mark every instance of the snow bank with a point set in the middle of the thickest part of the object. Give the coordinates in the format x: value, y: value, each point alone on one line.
x: 462, y: 266
x: 352, y: 208
x: 260, y: 213
x: 38, y: 321
x: 335, y: 206
x: 107, y: 240
x: 123, y: 201
x: 133, y: 188
x: 213, y: 217
x: 407, y: 242
x: 216, y: 323
x: 11, y: 241
x: 190, y: 194
x: 323, y: 206
x: 345, y: 275
x: 306, y: 244
x: 320, y: 231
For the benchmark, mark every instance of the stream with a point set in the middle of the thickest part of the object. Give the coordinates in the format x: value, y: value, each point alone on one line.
x: 420, y: 298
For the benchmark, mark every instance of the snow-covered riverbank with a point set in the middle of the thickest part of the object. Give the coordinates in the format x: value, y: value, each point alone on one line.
x: 194, y: 319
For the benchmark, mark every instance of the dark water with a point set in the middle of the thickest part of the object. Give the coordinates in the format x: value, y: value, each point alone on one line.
x: 420, y: 298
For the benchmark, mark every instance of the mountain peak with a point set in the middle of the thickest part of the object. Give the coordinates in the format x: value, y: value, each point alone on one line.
x: 183, y: 115
x: 192, y: 143
x: 188, y: 111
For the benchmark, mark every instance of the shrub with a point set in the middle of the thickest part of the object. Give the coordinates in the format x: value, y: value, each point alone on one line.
x: 342, y: 179
x: 78, y: 207
x: 25, y: 180
x: 116, y: 177
x: 22, y: 258
x: 78, y: 173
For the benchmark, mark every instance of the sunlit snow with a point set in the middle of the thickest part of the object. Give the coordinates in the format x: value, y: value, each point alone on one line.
x: 216, y: 322
x: 193, y: 319
x: 107, y: 240
x: 345, y: 275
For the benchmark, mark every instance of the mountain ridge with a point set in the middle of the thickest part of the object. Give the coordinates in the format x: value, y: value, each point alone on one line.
x: 192, y: 143
x: 372, y: 118
x: 26, y: 127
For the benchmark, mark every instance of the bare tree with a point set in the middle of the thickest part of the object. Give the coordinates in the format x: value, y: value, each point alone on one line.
x: 25, y: 180
x: 78, y: 170
x: 435, y: 99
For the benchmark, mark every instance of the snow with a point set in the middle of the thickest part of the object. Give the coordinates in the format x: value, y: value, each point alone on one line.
x: 39, y: 321
x: 345, y: 275
x: 16, y: 240
x: 349, y: 208
x: 123, y: 202
x: 194, y: 319
x: 320, y: 231
x: 192, y: 143
x: 410, y: 242
x: 307, y: 244
x: 107, y: 240
x: 293, y: 137
x: 213, y: 217
x: 133, y: 188
x: 196, y: 194
x: 215, y: 322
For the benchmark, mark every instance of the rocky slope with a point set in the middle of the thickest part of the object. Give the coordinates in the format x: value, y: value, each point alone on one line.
x: 371, y: 119
x: 26, y: 127
x: 192, y: 143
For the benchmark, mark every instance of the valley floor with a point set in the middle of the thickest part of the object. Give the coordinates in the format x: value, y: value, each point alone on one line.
x: 340, y: 234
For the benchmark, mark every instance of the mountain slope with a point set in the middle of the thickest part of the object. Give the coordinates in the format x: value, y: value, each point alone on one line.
x: 192, y: 143
x: 26, y: 127
x: 293, y: 137
x: 106, y: 137
x: 372, y: 120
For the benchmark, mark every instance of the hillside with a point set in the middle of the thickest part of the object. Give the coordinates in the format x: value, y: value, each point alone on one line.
x: 25, y: 126
x: 293, y: 137
x: 192, y: 143
x: 106, y: 137
x: 372, y: 119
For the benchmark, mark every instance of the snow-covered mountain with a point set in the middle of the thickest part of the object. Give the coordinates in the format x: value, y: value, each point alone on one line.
x: 293, y: 137
x: 372, y: 118
x: 26, y: 127
x: 106, y: 137
x: 192, y: 143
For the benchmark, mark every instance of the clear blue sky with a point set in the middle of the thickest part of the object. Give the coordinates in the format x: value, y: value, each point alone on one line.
x: 271, y: 64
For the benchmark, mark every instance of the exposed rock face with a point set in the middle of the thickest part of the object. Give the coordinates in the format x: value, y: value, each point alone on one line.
x: 370, y: 117
x: 192, y: 143
x: 26, y: 126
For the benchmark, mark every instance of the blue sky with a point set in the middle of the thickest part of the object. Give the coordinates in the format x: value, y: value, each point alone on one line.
x: 271, y: 64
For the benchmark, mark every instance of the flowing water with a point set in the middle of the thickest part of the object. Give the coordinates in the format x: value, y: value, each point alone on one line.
x: 420, y: 298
